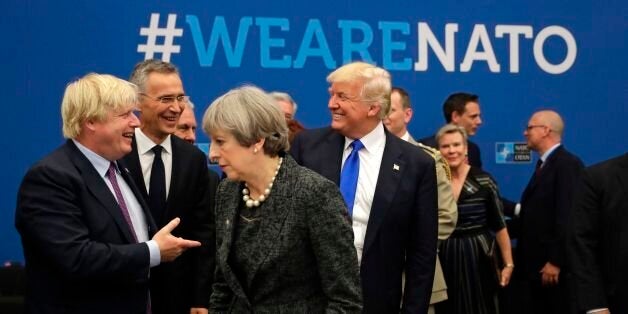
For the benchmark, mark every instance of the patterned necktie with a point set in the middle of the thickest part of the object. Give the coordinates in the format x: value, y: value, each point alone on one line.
x: 349, y: 175
x: 157, y: 187
x: 111, y: 175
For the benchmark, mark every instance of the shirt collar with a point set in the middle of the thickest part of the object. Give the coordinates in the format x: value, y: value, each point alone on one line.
x: 145, y: 144
x: 548, y: 152
x: 100, y: 163
x: 372, y: 140
x: 406, y: 136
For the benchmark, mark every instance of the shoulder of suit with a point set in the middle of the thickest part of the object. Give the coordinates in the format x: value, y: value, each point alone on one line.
x: 435, y: 153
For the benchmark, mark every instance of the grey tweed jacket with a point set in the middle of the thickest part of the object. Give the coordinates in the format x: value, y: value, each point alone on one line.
x: 306, y: 261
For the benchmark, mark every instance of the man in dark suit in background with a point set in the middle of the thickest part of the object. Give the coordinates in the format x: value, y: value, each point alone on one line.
x: 462, y: 109
x: 85, y: 228
x: 545, y: 209
x: 599, y: 242
x: 174, y: 180
x: 391, y: 195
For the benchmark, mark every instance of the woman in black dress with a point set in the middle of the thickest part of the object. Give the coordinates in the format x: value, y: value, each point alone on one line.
x: 467, y: 256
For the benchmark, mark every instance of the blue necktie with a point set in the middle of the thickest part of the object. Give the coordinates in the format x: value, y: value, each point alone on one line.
x: 349, y: 175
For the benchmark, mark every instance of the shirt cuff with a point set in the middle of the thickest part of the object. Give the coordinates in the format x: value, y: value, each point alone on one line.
x: 517, y: 209
x: 596, y: 310
x: 155, y: 255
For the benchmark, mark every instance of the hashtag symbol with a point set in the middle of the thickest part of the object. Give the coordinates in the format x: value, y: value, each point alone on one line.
x: 153, y: 31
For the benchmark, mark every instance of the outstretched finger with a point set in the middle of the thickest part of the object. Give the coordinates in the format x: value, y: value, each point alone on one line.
x: 188, y: 243
x: 171, y: 225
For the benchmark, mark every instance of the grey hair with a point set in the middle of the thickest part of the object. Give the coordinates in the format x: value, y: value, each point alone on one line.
x: 249, y: 114
x: 143, y: 69
x: 281, y: 96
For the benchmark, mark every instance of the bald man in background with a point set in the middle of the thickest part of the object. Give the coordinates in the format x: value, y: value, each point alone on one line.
x: 545, y: 209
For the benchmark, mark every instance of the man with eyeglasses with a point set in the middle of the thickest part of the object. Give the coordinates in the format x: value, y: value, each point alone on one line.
x: 174, y: 180
x: 545, y: 209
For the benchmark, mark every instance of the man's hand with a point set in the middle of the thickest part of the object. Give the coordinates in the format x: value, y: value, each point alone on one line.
x: 549, y: 274
x: 170, y: 247
x: 199, y: 310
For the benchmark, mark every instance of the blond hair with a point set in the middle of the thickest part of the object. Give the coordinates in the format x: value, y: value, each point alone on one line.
x: 376, y: 84
x: 92, y: 97
x: 451, y: 128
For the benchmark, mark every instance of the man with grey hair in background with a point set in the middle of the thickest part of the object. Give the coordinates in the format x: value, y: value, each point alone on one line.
x: 289, y: 108
x: 174, y: 179
x: 389, y: 187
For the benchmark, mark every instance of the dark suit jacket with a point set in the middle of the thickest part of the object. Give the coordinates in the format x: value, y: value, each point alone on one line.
x: 402, y: 227
x: 306, y: 262
x: 475, y: 159
x: 599, y: 240
x: 185, y: 282
x: 80, y: 253
x: 545, y: 209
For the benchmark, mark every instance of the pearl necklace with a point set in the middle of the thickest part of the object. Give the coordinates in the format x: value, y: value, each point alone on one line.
x: 250, y: 202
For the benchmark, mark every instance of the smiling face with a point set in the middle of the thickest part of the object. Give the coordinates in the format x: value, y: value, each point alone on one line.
x: 454, y: 148
x: 111, y: 138
x: 160, y: 119
x: 351, y: 116
x: 236, y: 161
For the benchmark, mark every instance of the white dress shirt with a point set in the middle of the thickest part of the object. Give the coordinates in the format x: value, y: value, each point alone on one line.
x: 138, y: 219
x: 370, y: 161
x: 144, y: 146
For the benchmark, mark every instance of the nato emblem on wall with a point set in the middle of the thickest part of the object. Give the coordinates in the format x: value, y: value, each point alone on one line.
x: 512, y: 153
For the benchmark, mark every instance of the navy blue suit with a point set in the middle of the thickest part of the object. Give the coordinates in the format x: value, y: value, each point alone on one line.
x: 402, y: 227
x: 545, y: 209
x: 185, y: 282
x: 80, y: 254
x: 599, y: 241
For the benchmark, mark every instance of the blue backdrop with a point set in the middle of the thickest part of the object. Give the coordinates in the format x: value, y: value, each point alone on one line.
x: 519, y: 56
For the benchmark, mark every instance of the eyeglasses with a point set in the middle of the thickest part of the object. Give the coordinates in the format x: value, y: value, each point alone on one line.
x: 530, y: 127
x: 169, y: 100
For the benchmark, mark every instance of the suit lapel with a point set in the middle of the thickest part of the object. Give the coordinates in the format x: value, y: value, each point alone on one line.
x: 273, y: 220
x: 388, y: 180
x: 126, y: 175
x: 132, y: 161
x: 545, y: 169
x: 229, y: 201
x: 99, y: 189
x: 175, y: 176
x: 331, y: 157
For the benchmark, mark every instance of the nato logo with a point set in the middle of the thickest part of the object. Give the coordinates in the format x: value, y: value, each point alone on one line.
x: 512, y: 153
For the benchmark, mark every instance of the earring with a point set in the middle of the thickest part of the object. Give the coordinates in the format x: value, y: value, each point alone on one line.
x: 255, y: 150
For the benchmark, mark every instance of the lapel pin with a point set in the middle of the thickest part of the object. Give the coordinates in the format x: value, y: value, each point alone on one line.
x: 396, y: 167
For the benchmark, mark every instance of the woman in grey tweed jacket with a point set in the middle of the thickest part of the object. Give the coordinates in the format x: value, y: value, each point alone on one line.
x: 283, y: 241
